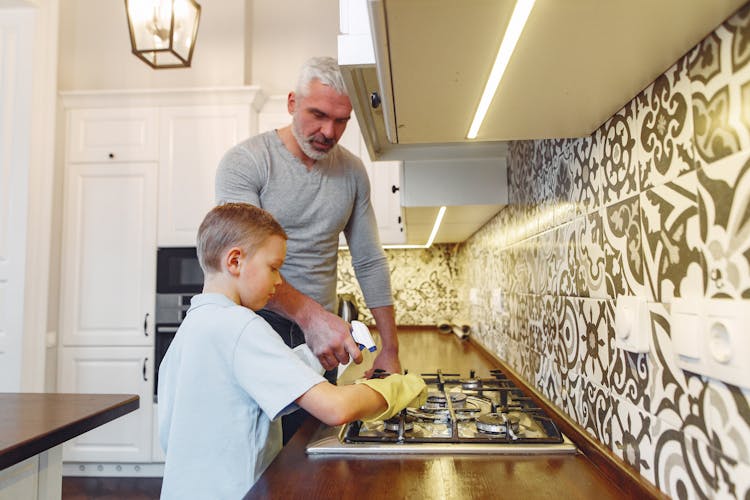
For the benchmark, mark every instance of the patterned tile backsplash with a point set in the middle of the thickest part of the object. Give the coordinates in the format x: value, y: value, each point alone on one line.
x: 655, y: 203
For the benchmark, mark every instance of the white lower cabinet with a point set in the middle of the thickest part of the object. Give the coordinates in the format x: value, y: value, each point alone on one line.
x: 111, y: 370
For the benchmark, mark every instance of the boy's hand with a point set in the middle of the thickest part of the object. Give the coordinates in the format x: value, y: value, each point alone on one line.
x: 399, y: 391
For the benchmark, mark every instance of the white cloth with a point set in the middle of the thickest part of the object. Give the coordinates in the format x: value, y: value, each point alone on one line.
x: 225, y: 380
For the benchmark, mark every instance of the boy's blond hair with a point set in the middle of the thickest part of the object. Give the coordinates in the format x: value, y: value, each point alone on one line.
x: 233, y: 224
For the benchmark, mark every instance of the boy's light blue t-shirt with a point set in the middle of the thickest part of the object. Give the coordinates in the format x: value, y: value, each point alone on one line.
x: 225, y: 380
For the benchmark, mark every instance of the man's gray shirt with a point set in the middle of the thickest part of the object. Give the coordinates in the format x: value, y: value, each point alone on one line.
x: 313, y: 206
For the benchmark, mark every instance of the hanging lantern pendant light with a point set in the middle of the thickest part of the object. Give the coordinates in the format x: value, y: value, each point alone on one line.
x: 163, y: 32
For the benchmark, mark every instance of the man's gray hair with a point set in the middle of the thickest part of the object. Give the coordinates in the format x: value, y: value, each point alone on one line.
x: 325, y: 69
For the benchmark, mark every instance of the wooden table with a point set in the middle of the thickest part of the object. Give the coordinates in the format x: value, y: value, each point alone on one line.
x: 33, y: 427
x: 295, y: 475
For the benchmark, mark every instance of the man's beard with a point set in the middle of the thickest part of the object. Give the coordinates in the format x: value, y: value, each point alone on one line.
x: 305, y: 143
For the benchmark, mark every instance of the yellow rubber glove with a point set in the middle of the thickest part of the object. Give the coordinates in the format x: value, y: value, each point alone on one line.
x: 399, y: 391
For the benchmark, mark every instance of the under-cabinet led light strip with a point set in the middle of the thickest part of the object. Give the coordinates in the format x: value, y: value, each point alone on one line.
x: 433, y: 234
x: 435, y: 228
x: 518, y: 19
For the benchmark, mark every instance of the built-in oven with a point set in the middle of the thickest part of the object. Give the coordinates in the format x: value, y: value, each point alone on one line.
x: 178, y: 278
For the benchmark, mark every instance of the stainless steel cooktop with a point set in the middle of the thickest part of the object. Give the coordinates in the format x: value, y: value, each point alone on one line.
x: 463, y: 414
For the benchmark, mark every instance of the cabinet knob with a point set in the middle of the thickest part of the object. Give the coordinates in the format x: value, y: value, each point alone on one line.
x: 394, y: 189
x: 111, y: 155
x: 375, y: 100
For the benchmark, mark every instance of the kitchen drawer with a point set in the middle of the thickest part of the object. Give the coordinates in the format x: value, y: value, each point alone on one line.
x: 113, y: 135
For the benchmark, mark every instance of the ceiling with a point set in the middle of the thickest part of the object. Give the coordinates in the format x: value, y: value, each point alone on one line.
x: 576, y: 64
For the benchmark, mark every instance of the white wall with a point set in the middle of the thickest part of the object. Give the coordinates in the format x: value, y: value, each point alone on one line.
x: 284, y: 34
x: 95, y: 48
x: 258, y: 42
x: 28, y: 61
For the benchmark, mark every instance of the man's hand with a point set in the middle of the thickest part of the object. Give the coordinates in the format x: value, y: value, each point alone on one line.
x: 386, y: 360
x: 329, y: 338
x: 327, y: 335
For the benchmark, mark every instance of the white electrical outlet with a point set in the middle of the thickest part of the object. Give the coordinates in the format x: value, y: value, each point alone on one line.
x: 474, y: 296
x: 632, y: 332
x: 497, y: 300
x: 708, y: 338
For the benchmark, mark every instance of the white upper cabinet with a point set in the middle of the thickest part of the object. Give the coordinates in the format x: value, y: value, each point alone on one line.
x: 185, y: 131
x: 193, y: 140
x: 385, y: 179
x: 99, y: 135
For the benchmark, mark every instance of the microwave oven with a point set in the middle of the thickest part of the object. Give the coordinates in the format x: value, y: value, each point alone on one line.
x: 178, y: 271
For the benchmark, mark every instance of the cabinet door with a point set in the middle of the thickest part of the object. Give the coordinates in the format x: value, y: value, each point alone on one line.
x: 110, y: 370
x: 384, y: 186
x: 120, y: 134
x: 385, y: 178
x: 193, y: 140
x: 108, y: 278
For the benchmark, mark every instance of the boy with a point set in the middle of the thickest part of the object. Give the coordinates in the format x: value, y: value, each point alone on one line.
x: 228, y: 377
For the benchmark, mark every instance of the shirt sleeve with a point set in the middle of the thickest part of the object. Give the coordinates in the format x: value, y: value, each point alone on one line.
x: 368, y: 258
x: 240, y: 176
x: 269, y: 371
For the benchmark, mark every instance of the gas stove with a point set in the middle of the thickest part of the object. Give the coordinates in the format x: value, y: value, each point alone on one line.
x: 463, y: 414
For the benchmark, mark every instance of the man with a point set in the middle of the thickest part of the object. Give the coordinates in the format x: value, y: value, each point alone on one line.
x: 315, y: 189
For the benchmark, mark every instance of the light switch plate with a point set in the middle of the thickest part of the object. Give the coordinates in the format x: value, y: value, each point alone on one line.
x: 632, y: 332
x: 687, y: 341
x: 709, y: 337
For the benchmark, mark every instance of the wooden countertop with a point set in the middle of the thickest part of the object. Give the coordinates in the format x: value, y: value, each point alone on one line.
x: 294, y: 474
x: 31, y: 423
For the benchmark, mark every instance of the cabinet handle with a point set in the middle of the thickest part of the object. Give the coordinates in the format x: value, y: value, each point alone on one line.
x: 399, y: 219
x: 394, y: 189
x: 145, y: 325
x: 145, y: 362
x: 374, y: 100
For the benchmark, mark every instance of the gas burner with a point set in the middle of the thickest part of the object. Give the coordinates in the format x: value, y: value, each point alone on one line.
x: 467, y: 414
x: 392, y: 424
x: 497, y: 423
x: 436, y: 400
x: 442, y: 415
x: 471, y: 384
x: 433, y: 415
